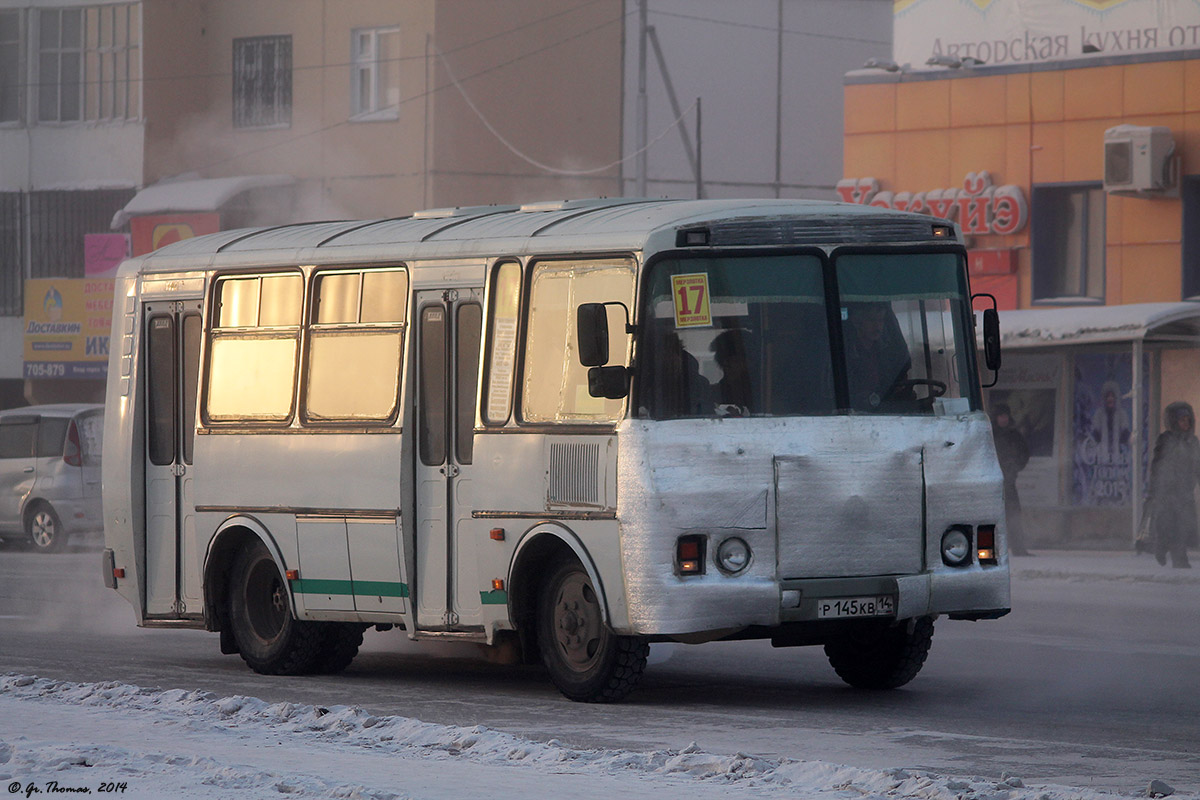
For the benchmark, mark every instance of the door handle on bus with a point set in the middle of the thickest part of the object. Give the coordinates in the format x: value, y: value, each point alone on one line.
x: 450, y: 470
x: 27, y: 469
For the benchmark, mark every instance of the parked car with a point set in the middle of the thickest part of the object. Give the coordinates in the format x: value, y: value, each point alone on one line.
x: 50, y: 473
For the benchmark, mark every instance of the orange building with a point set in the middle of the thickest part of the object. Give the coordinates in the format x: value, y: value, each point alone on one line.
x: 1077, y: 186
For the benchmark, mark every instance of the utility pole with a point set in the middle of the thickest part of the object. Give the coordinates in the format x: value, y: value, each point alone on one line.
x: 779, y: 106
x: 643, y: 104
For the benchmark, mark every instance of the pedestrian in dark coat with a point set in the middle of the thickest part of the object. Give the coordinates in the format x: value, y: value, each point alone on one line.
x: 1174, y: 474
x: 1013, y: 453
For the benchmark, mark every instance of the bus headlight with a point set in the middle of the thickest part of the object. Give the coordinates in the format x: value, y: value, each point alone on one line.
x: 956, y: 547
x: 733, y: 555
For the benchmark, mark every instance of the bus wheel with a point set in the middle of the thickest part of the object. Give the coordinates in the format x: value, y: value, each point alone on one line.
x: 882, y: 659
x: 586, y: 660
x: 270, y: 640
x: 339, y: 646
x: 44, y: 529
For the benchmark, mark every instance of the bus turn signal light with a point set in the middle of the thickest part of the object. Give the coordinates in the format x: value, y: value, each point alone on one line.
x: 497, y: 534
x: 985, y: 544
x: 118, y: 572
x: 689, y: 555
x: 292, y: 574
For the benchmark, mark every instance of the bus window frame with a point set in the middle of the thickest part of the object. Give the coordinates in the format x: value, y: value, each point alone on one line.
x: 580, y: 425
x: 212, y: 315
x: 828, y: 258
x: 309, y: 324
x: 967, y: 321
x: 488, y: 344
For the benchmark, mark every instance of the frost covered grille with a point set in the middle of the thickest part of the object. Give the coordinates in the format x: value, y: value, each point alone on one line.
x: 797, y: 232
x: 574, y: 472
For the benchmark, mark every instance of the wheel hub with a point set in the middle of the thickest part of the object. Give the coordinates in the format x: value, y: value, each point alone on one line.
x: 577, y: 622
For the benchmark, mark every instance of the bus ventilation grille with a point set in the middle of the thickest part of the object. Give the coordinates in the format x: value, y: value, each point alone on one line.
x: 860, y: 230
x: 574, y: 474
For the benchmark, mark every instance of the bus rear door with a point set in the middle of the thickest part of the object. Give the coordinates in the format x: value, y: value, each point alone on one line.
x: 172, y: 344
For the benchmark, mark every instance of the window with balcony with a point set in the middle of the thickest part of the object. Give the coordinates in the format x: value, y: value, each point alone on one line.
x: 262, y: 82
x: 375, y: 93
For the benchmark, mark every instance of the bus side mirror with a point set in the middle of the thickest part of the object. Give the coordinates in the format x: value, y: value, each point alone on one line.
x: 991, y: 339
x: 591, y: 328
x: 611, y: 383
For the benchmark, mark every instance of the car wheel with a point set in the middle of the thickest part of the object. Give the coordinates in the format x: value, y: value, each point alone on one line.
x: 44, y: 528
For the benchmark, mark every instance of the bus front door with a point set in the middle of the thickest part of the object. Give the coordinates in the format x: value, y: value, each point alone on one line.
x: 172, y: 345
x: 448, y: 336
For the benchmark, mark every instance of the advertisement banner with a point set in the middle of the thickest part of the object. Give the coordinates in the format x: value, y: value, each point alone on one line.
x: 1012, y: 32
x: 1102, y: 473
x: 67, y: 324
x: 153, y: 232
x: 103, y: 253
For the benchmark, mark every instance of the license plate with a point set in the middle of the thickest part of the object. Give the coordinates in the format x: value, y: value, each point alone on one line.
x: 880, y: 606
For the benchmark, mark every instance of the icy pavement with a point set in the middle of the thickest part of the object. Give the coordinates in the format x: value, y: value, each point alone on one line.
x: 1100, y: 565
x: 58, y: 737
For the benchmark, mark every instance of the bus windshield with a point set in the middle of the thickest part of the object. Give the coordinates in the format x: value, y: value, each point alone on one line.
x: 754, y: 336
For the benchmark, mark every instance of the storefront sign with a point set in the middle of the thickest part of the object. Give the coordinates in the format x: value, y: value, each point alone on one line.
x: 67, y: 324
x: 979, y: 207
x: 1009, y: 32
x: 991, y: 262
x: 151, y: 233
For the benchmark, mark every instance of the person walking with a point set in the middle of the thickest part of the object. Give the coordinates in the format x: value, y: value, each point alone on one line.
x: 1174, y: 474
x: 1013, y: 453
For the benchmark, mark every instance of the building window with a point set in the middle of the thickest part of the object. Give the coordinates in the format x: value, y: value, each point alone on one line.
x: 262, y: 82
x: 60, y: 65
x: 375, y: 93
x: 10, y: 66
x: 113, y: 66
x: 1068, y: 242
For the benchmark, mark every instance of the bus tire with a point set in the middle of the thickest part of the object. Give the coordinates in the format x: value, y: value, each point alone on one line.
x: 586, y: 660
x: 269, y: 638
x: 882, y: 659
x: 44, y: 528
x: 340, y: 646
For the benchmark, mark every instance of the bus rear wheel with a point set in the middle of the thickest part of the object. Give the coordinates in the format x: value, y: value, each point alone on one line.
x: 882, y: 658
x: 269, y: 638
x: 586, y: 660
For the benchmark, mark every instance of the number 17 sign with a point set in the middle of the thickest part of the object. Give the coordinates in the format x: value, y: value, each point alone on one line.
x: 691, y: 300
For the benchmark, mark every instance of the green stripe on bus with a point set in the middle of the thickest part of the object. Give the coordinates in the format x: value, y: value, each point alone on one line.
x: 496, y: 597
x: 365, y: 588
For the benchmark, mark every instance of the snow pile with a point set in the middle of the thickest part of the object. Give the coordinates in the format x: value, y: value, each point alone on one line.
x: 57, y: 736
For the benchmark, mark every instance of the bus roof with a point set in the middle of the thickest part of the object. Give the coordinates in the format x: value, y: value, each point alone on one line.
x: 595, y: 225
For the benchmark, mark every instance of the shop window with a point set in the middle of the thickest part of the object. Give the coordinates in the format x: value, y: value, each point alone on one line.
x: 262, y: 82
x: 252, y: 355
x: 375, y: 93
x: 1190, y: 192
x: 1068, y: 242
x: 555, y: 387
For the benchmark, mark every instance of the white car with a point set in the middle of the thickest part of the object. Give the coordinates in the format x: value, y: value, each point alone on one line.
x: 50, y: 473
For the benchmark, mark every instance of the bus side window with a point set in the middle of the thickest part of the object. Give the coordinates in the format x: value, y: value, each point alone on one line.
x: 555, y: 387
x: 356, y: 336
x: 252, y: 361
x: 502, y: 342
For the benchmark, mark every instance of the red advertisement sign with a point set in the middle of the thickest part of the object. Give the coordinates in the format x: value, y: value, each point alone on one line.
x: 153, y: 232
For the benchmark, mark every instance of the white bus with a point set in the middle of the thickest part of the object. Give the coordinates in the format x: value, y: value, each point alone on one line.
x: 564, y: 430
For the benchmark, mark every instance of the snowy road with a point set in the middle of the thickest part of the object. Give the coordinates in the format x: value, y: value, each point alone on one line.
x: 1091, y: 682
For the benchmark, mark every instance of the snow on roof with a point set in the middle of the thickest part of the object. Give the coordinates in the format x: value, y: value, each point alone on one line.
x: 201, y: 194
x: 1041, y: 327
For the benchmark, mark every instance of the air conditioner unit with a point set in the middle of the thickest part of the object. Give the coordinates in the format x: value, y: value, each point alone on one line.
x: 1140, y: 160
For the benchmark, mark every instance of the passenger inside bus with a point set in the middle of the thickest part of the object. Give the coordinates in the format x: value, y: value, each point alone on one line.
x: 877, y: 359
x: 734, y: 395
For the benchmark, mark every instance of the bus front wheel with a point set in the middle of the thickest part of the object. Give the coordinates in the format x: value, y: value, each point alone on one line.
x: 270, y: 639
x: 882, y: 658
x: 586, y: 660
